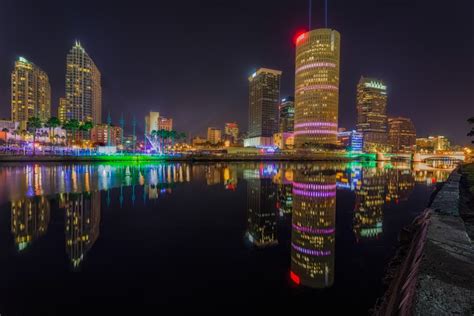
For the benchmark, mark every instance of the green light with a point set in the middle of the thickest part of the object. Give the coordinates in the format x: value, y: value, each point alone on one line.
x: 376, y: 85
x: 23, y: 60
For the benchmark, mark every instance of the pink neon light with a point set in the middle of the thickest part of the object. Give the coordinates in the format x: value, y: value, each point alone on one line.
x: 314, y: 187
x: 314, y: 193
x: 315, y: 65
x: 311, y: 252
x: 311, y: 230
x: 318, y: 87
x: 315, y: 131
x: 311, y: 124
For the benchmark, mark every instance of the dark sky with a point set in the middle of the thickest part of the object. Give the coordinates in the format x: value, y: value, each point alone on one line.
x: 190, y: 60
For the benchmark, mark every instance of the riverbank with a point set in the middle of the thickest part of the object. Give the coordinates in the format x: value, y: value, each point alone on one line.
x: 186, y: 158
x: 433, y: 271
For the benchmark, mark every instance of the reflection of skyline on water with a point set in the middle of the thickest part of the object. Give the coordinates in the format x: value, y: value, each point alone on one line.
x: 304, y: 192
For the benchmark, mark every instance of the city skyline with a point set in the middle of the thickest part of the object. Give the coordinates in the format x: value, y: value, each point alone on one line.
x: 411, y: 95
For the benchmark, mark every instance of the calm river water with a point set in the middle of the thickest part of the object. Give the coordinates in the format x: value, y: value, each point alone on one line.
x: 76, y: 238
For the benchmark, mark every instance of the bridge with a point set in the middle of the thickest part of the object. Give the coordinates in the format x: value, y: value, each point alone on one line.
x: 423, y: 157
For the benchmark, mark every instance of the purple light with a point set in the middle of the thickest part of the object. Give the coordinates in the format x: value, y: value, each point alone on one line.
x: 318, y: 87
x: 314, y: 187
x: 311, y: 230
x: 311, y: 252
x: 315, y: 131
x: 314, y: 193
x: 312, y: 124
x: 315, y: 65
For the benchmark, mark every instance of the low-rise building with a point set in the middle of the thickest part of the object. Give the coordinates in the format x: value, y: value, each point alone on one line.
x: 100, y: 135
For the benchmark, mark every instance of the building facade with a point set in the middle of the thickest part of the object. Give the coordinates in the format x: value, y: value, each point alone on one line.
x: 351, y: 140
x: 401, y: 134
x: 101, y: 133
x: 83, y: 87
x: 264, y: 96
x: 165, y: 123
x: 30, y: 93
x: 62, y: 108
x: 317, y: 88
x: 287, y: 115
x: 432, y: 144
x: 151, y: 122
x: 231, y: 130
x: 372, y: 112
x: 214, y: 135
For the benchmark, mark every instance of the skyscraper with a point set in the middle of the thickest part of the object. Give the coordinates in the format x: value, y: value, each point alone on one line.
x: 372, y: 112
x: 264, y: 95
x: 401, y: 134
x: 317, y: 88
x: 31, y: 93
x: 232, y: 130
x: 151, y: 122
x: 287, y: 115
x: 83, y: 87
x: 62, y: 108
x: 165, y: 123
x: 214, y: 135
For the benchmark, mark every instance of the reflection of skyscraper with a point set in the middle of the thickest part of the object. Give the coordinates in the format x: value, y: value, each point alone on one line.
x: 313, y: 228
x: 261, y: 201
x: 368, y: 213
x: 29, y: 220
x: 82, y: 224
x: 285, y: 198
x: 400, y: 184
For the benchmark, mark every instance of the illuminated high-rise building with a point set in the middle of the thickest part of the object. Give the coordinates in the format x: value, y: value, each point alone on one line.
x: 83, y: 87
x: 264, y: 97
x: 165, y: 123
x: 287, y: 115
x: 231, y: 130
x: 82, y: 224
x: 30, y: 93
x: 62, y: 108
x: 372, y: 112
x: 401, y: 134
x: 29, y: 220
x: 151, y: 122
x: 214, y: 135
x: 316, y: 88
x: 313, y: 227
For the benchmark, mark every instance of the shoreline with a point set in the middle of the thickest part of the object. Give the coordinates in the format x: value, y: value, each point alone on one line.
x: 145, y: 158
x: 432, y: 272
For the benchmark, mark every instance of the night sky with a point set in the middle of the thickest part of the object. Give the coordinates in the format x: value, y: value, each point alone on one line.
x: 190, y: 60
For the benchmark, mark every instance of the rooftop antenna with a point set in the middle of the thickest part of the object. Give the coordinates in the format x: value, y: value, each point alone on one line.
x: 309, y: 14
x: 326, y: 13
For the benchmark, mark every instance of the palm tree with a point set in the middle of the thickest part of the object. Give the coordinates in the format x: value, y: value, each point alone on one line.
x: 52, y: 123
x: 33, y: 124
x: 72, y: 126
x: 5, y: 130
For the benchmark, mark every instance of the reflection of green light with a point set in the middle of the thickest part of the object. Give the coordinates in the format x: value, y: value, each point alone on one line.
x: 22, y: 246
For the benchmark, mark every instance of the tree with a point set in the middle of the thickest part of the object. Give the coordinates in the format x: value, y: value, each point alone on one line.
x: 471, y: 133
x: 5, y: 130
x: 33, y: 124
x: 52, y: 123
x: 72, y: 126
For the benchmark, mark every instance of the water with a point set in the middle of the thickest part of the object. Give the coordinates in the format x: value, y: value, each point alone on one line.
x: 266, y: 236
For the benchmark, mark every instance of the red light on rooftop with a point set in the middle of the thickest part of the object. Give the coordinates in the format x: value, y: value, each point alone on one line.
x: 294, y: 277
x: 299, y: 37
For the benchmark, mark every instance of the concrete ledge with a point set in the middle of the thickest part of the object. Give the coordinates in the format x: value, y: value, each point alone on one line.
x: 446, y: 275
